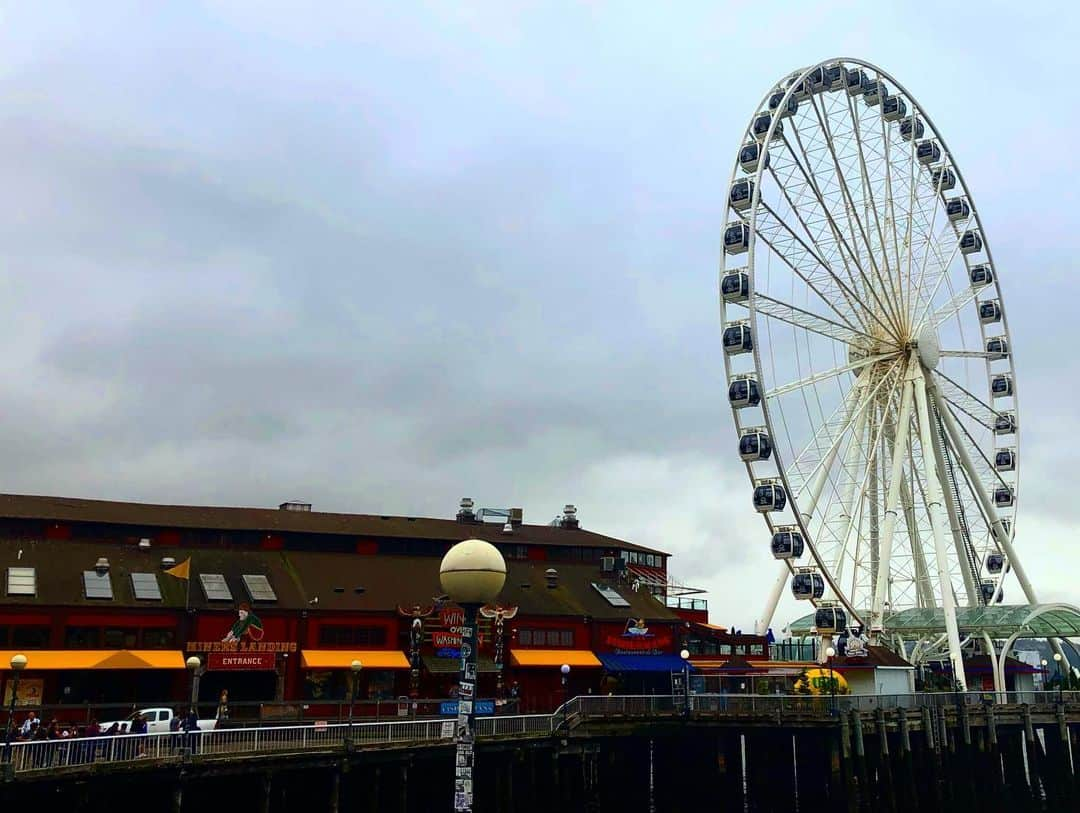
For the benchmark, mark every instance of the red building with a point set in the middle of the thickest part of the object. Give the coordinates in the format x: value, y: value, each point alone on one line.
x: 108, y: 599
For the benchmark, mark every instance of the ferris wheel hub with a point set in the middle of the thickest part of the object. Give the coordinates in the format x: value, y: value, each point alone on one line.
x: 928, y: 346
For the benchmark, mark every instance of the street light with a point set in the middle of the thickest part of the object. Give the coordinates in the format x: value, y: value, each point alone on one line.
x: 18, y: 663
x: 1061, y: 679
x: 564, y: 675
x: 471, y: 574
x: 356, y: 666
x: 685, y: 655
x: 829, y: 654
x: 1044, y: 670
x: 193, y: 663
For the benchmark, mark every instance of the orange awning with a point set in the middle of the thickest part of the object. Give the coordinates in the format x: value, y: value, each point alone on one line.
x: 55, y: 659
x: 343, y: 658
x: 555, y: 658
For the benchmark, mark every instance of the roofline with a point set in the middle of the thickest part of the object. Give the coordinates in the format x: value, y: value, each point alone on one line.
x: 80, y: 509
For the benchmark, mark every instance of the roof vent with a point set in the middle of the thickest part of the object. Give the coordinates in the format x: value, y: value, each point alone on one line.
x: 465, y: 510
x: 508, y: 528
x: 569, y: 517
x: 144, y: 544
x: 552, y: 577
x: 292, y: 505
x: 167, y: 562
x: 101, y: 566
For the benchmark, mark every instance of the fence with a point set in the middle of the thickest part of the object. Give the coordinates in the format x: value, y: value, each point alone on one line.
x: 46, y: 755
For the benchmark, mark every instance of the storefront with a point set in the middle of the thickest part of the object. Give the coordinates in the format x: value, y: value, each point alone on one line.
x: 93, y: 675
x: 535, y: 679
x: 328, y: 675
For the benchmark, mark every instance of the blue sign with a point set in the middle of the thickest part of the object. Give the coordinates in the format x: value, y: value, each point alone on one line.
x: 450, y: 707
x: 448, y: 652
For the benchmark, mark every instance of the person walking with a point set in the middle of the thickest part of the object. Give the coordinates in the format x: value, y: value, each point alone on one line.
x: 222, y: 715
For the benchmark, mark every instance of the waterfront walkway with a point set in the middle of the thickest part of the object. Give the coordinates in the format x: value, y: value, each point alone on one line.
x: 582, y: 716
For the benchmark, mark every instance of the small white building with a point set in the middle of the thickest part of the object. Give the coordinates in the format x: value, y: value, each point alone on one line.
x: 874, y: 670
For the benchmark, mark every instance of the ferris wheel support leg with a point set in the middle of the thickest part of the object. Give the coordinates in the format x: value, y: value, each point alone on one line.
x: 893, y: 494
x: 981, y: 494
x: 987, y: 504
x: 937, y: 522
x: 762, y: 625
x: 954, y: 523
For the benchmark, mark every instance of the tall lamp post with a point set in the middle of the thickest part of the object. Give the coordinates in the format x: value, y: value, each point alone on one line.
x: 18, y: 663
x: 829, y: 654
x: 355, y: 666
x: 685, y: 655
x: 564, y: 675
x: 471, y: 574
x: 1060, y: 675
x: 1045, y: 672
x: 193, y: 664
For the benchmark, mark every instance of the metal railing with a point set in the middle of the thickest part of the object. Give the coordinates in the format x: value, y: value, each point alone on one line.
x: 47, y: 755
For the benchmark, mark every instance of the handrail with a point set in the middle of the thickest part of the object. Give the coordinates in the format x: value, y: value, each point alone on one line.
x: 48, y: 755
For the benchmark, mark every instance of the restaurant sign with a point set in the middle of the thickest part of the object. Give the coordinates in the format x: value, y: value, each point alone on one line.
x: 636, y: 639
x: 241, y: 646
x: 218, y: 661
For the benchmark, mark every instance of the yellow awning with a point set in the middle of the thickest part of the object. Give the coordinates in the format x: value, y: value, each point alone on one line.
x: 54, y: 659
x: 343, y: 658
x: 577, y: 658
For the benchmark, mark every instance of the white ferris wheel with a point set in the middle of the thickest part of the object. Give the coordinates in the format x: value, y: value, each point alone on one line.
x: 868, y: 356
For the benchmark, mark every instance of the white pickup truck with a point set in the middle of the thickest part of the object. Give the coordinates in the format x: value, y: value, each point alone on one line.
x: 157, y: 720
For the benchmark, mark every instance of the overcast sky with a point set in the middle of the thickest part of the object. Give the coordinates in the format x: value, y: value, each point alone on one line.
x: 388, y: 255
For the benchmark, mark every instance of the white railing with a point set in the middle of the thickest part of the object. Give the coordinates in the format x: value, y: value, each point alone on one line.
x: 48, y: 755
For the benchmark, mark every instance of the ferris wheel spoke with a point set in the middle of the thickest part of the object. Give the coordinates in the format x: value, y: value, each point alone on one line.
x: 841, y: 287
x: 1003, y: 538
x: 835, y: 371
x: 951, y: 307
x: 871, y: 202
x: 968, y: 403
x: 986, y: 472
x: 770, y: 234
x: 968, y: 354
x: 806, y: 320
x: 853, y: 218
x: 848, y: 255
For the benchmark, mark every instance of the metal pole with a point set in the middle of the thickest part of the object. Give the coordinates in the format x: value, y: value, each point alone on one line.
x: 195, y: 689
x: 463, y: 729
x: 686, y: 686
x: 11, y: 717
x: 565, y: 696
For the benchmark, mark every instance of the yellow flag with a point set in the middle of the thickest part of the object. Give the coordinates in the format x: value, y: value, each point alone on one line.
x: 182, y: 570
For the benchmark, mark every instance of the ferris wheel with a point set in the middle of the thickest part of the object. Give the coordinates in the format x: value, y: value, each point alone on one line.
x: 868, y: 358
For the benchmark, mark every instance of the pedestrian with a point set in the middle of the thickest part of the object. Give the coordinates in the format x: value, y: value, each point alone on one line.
x: 191, y: 727
x: 174, y: 732
x: 222, y: 714
x: 26, y: 730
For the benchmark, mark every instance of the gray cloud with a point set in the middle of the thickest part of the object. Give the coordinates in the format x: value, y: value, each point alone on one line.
x: 381, y: 259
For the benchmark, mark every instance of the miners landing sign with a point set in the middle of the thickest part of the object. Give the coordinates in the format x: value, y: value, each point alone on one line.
x: 217, y: 661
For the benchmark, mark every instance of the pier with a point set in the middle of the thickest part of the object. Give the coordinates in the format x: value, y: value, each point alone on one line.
x: 662, y: 753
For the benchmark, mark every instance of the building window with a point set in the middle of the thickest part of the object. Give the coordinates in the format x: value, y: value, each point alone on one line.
x: 30, y: 637
x: 121, y: 638
x: 546, y: 638
x: 340, y: 635
x: 757, y: 649
x: 82, y: 638
x: 21, y: 581
x: 725, y: 649
x: 159, y: 639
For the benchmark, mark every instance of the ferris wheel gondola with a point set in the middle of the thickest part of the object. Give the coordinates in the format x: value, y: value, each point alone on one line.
x: 865, y: 339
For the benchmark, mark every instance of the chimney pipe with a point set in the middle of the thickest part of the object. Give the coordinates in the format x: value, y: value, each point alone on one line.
x: 552, y: 577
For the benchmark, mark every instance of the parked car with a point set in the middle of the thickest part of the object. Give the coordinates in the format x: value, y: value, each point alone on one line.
x: 157, y: 720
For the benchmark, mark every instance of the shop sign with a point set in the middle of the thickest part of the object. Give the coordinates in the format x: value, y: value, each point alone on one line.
x: 636, y: 639
x: 218, y: 661
x: 450, y: 707
x: 241, y: 646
